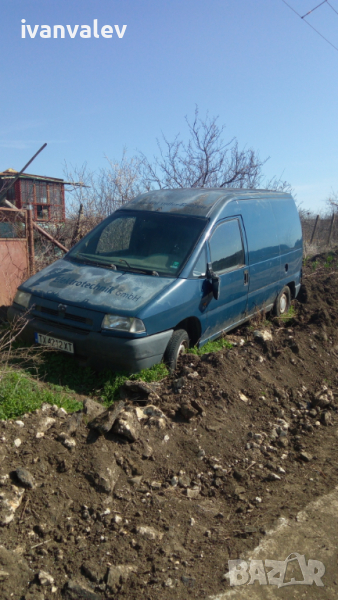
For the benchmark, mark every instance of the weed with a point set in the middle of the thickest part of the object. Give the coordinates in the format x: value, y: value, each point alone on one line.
x: 288, y: 317
x: 212, y: 346
x: 114, y: 381
x: 315, y: 265
x: 328, y: 262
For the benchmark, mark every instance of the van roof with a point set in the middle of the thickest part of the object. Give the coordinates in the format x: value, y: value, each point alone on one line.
x: 200, y: 202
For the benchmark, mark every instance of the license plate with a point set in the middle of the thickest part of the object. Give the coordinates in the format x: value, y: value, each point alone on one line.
x: 52, y: 342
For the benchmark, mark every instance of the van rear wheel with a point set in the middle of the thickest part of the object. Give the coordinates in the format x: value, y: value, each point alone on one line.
x: 283, y: 302
x: 178, y: 344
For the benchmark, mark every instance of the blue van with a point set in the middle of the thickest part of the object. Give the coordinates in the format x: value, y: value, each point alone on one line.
x: 170, y: 269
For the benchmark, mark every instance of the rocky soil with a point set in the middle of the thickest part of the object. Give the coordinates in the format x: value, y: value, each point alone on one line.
x: 153, y: 496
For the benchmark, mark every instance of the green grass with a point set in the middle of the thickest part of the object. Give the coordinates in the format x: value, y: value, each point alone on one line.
x: 289, y: 317
x: 56, y: 379
x: 19, y: 394
x: 213, y: 346
x: 328, y: 263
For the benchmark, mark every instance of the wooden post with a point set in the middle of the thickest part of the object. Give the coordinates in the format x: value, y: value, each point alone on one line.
x: 314, y: 229
x: 331, y: 227
x: 30, y: 239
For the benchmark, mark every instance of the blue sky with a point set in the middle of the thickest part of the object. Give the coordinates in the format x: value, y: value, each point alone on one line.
x: 271, y: 79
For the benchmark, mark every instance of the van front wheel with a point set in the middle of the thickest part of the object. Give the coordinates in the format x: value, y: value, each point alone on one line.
x: 178, y: 344
x: 283, y: 302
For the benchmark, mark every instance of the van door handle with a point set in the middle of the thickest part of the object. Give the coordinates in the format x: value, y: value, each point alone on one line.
x: 246, y: 277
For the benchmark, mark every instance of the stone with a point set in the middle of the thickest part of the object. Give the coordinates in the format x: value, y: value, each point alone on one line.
x: 25, y: 478
x: 152, y: 415
x: 127, y: 425
x: 147, y: 451
x: 305, y: 456
x: 273, y: 477
x: 149, y: 532
x: 179, y: 383
x: 45, y: 424
x: 103, y: 476
x: 193, y: 492
x: 19, y: 423
x: 189, y: 582
x: 45, y: 578
x: 326, y: 418
x: 92, y: 409
x: 243, y: 397
x: 136, y: 481
x: 262, y: 336
x: 77, y: 591
x: 193, y: 375
x: 105, y: 420
x: 9, y: 503
x: 184, y: 481
x: 119, y: 574
x: 72, y: 424
x: 67, y: 441
x: 93, y: 571
x: 17, y: 443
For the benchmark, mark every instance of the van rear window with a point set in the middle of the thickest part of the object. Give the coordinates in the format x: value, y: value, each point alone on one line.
x: 141, y: 241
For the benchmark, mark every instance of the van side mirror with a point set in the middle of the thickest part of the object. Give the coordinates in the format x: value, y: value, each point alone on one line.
x: 215, y: 281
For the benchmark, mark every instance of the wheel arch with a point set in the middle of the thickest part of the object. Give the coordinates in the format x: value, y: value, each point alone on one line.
x: 193, y: 327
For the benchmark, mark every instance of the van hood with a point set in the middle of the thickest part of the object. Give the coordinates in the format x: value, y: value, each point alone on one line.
x: 95, y: 288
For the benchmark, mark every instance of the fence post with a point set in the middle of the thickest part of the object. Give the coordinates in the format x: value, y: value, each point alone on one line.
x: 331, y: 227
x: 314, y: 229
x: 30, y: 239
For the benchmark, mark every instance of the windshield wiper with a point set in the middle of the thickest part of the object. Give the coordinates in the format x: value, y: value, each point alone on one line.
x: 88, y: 261
x: 137, y: 269
x: 114, y: 267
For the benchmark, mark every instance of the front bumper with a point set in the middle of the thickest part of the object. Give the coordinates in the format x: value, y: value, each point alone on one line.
x: 101, y: 351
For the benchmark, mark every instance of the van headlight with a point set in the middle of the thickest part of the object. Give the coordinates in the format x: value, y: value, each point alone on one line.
x: 22, y: 298
x: 123, y: 324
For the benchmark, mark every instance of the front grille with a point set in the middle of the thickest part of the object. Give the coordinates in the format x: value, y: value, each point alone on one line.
x: 68, y: 316
x: 65, y: 326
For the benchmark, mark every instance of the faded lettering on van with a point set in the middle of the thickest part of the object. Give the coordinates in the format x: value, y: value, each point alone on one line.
x: 100, y: 288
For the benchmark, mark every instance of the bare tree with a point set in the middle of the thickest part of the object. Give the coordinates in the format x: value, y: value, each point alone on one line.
x: 332, y: 202
x: 104, y: 191
x: 205, y: 160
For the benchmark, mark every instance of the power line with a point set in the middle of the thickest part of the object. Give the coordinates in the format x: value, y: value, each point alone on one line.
x: 309, y: 24
x: 310, y: 11
x: 330, y: 5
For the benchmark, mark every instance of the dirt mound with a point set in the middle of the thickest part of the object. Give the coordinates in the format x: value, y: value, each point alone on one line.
x: 155, y: 495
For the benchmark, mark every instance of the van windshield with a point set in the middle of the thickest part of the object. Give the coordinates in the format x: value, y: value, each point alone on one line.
x: 141, y: 241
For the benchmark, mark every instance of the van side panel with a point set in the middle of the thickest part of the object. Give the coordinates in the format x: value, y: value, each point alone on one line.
x: 289, y: 233
x: 264, y: 253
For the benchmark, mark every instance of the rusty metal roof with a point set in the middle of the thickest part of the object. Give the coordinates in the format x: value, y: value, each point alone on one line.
x: 11, y: 173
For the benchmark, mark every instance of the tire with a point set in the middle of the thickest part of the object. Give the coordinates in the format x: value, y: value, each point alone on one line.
x: 283, y: 302
x: 178, y: 344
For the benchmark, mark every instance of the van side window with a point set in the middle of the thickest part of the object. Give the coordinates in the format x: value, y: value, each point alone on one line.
x: 226, y: 247
x: 199, y: 269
